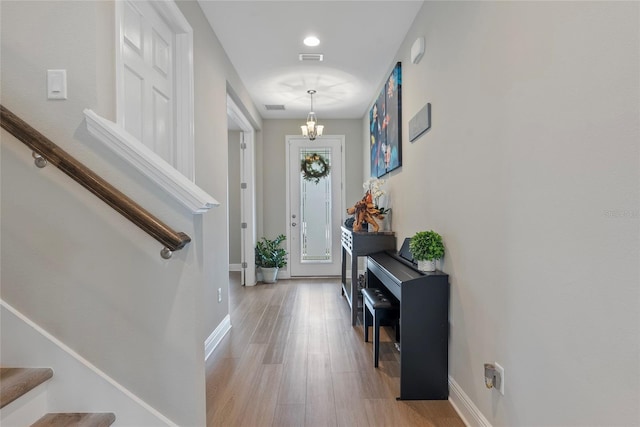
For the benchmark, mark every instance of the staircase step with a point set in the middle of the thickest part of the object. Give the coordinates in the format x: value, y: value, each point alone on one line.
x: 14, y: 382
x: 76, y: 420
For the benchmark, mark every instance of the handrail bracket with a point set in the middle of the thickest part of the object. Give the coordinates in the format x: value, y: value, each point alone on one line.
x: 39, y: 160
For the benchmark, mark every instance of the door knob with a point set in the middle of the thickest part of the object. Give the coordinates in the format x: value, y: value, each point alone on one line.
x: 293, y: 224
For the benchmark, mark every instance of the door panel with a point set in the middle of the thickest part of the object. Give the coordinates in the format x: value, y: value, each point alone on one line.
x: 133, y: 99
x: 315, y: 209
x: 162, y: 125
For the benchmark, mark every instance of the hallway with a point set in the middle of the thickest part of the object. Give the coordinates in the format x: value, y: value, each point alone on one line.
x: 292, y: 359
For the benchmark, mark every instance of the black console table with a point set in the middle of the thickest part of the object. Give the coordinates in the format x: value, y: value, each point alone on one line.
x: 424, y: 324
x: 360, y: 244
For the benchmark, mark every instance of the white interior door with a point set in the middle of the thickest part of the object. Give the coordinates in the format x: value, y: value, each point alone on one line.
x: 315, y: 208
x: 148, y: 55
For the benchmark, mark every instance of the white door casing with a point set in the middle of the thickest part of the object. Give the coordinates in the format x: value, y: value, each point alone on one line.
x: 248, y: 194
x: 300, y: 214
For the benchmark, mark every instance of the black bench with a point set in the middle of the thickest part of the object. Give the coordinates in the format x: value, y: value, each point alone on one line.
x: 377, y: 307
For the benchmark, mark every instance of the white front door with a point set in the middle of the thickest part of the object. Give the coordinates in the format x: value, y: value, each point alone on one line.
x: 315, y: 207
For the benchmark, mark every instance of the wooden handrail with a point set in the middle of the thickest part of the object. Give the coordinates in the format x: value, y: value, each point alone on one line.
x: 172, y: 240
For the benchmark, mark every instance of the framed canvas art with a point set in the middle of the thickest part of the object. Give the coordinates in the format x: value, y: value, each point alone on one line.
x: 385, y: 121
x: 378, y: 136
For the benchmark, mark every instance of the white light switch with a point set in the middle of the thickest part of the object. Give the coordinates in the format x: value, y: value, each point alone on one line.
x: 57, y: 84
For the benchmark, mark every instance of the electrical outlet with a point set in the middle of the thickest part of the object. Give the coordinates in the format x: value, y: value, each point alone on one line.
x: 219, y: 294
x: 500, y: 371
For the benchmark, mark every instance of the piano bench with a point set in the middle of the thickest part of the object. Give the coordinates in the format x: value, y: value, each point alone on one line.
x: 378, y: 306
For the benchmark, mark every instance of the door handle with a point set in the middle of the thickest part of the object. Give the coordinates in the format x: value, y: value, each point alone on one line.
x: 293, y: 224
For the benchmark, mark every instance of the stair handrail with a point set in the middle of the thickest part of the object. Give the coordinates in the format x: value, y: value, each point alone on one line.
x: 46, y: 151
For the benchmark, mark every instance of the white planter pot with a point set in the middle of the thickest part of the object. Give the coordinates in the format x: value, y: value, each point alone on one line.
x: 269, y: 275
x: 426, y: 265
x: 386, y: 222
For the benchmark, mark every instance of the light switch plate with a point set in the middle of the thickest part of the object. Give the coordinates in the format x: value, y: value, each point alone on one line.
x: 56, y: 84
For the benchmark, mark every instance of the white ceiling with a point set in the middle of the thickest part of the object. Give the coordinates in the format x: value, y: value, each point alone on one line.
x: 359, y: 40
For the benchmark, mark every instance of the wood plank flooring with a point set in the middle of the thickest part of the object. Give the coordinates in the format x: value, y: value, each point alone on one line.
x: 292, y: 358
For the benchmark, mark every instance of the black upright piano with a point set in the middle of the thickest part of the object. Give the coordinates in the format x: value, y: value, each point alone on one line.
x: 424, y: 323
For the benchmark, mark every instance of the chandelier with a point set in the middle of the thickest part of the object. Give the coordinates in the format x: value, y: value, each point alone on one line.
x: 312, y: 129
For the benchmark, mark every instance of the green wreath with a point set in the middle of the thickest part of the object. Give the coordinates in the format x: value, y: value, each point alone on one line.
x: 314, y: 166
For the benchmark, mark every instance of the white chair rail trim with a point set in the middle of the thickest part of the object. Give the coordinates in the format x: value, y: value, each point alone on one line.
x: 149, y: 163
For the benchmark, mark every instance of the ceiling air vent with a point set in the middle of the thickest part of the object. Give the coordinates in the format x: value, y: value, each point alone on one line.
x: 274, y: 107
x: 318, y: 57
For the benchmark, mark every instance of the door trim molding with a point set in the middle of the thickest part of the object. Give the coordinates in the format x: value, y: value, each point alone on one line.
x: 248, y: 195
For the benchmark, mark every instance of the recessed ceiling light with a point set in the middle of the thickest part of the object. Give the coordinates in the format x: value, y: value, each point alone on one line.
x: 312, y: 41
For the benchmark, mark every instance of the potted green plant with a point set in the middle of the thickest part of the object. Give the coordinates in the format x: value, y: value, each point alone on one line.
x: 270, y: 257
x: 426, y: 247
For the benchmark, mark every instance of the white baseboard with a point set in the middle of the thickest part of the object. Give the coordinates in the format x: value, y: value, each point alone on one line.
x: 283, y: 273
x: 216, y: 336
x: 464, y: 406
x: 235, y: 267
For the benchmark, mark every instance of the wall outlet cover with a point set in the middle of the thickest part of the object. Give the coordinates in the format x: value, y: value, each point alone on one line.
x: 500, y: 370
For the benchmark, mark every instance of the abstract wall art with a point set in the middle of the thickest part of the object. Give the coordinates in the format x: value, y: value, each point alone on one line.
x: 385, y: 123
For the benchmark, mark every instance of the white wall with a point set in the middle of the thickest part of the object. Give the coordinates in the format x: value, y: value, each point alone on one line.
x: 75, y: 266
x: 214, y: 77
x: 530, y: 172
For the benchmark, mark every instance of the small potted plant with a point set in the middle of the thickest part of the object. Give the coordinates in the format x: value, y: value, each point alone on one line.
x: 426, y: 247
x: 270, y: 257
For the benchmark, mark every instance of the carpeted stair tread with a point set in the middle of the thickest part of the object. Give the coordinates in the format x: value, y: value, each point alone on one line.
x: 76, y: 420
x: 14, y: 382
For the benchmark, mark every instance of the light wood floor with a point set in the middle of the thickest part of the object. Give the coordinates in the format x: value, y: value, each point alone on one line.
x: 292, y: 358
